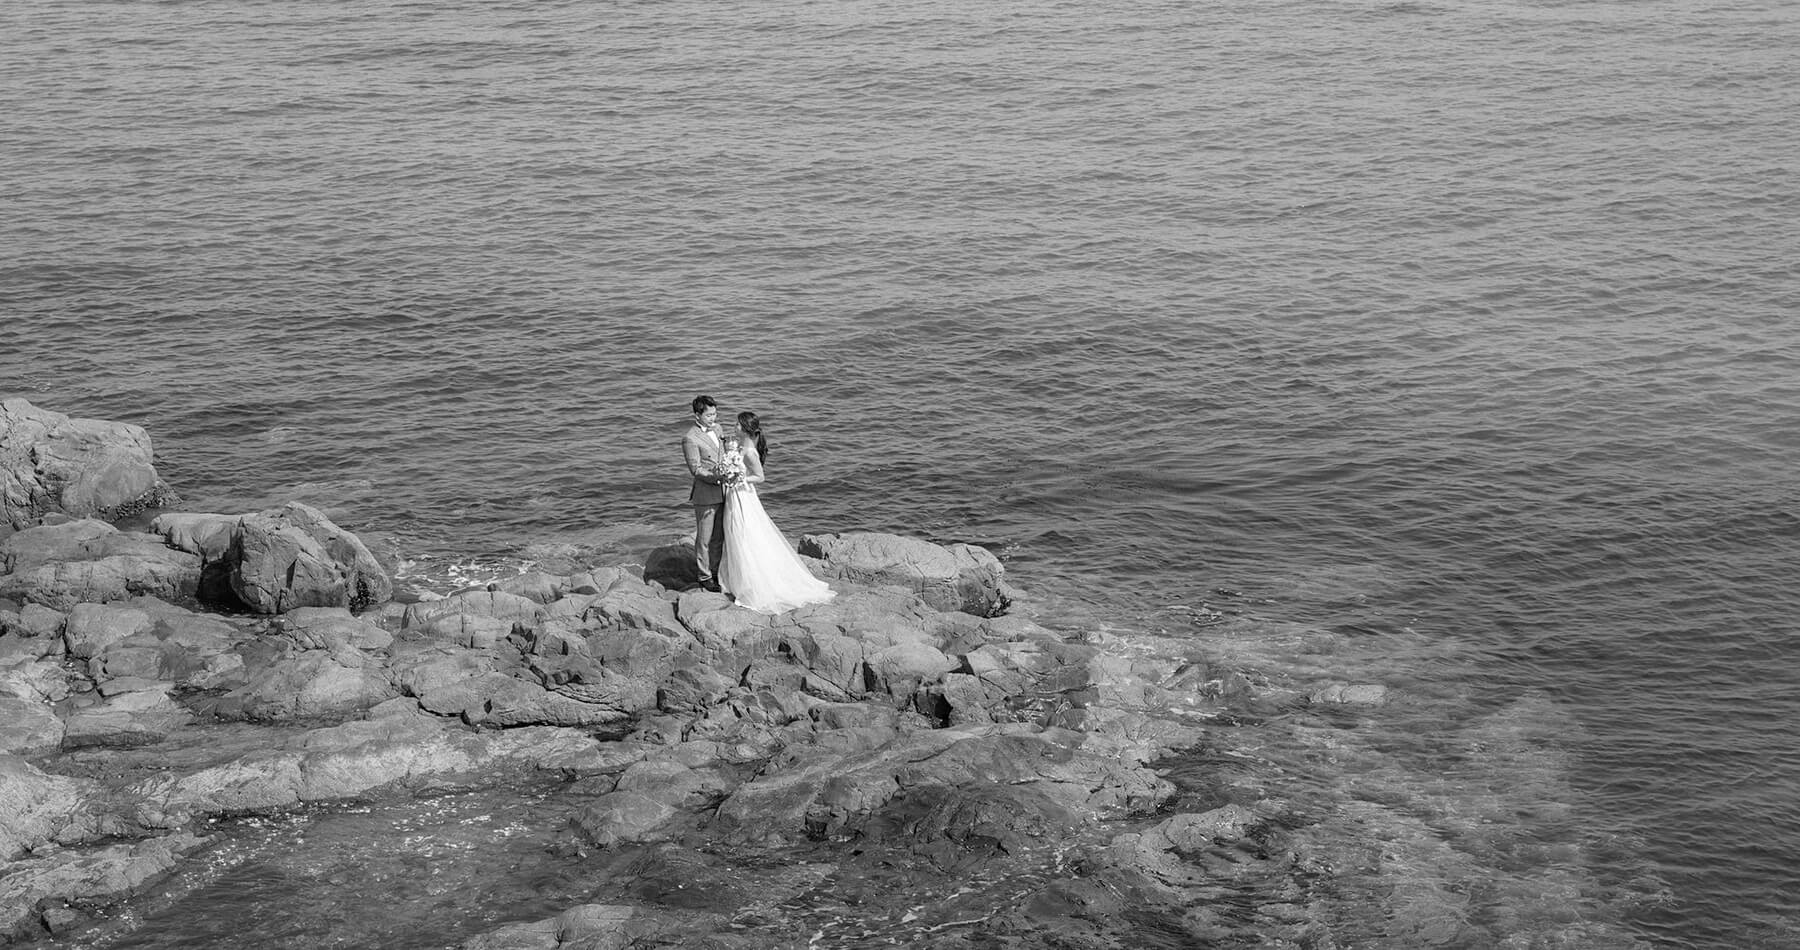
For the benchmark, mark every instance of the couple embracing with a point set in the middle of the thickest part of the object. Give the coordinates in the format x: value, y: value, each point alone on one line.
x: 737, y: 548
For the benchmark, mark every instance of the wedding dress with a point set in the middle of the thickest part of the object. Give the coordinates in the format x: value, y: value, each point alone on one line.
x: 761, y: 569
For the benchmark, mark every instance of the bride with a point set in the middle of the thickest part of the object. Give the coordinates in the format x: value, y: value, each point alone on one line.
x: 760, y: 569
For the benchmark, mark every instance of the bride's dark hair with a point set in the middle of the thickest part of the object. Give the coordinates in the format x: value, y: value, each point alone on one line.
x: 753, y: 427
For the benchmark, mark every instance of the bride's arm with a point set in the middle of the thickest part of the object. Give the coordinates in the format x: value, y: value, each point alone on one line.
x: 753, y: 470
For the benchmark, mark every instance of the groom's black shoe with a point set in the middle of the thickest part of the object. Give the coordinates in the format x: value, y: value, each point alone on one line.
x: 711, y: 585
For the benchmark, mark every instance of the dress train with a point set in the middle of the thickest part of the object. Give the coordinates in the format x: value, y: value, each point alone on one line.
x: 761, y: 570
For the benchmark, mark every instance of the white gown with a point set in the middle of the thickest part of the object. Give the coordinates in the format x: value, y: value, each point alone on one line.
x: 761, y: 571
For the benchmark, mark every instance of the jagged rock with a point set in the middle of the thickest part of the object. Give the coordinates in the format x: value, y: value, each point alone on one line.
x: 571, y: 607
x: 719, y: 628
x: 954, y: 577
x: 92, y: 628
x: 901, y: 669
x: 533, y: 585
x: 293, y: 556
x: 971, y: 701
x: 501, y: 700
x: 690, y: 687
x: 25, y: 633
x: 332, y: 628
x: 208, y: 536
x: 32, y: 887
x: 833, y: 658
x: 692, y: 604
x: 126, y: 720
x: 62, y: 565
x: 623, y: 816
x: 595, y: 582
x: 33, y: 620
x: 193, y: 650
x: 602, y: 686
x: 774, y: 674
x: 471, y: 618
x: 667, y: 777
x: 418, y: 669
x: 38, y: 807
x: 28, y: 727
x: 1016, y: 628
x: 52, y: 464
x: 637, y: 652
x: 1149, y: 850
x: 635, y: 607
x: 879, y: 617
x: 43, y: 681
x: 307, y: 685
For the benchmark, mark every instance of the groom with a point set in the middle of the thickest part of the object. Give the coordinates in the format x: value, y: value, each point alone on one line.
x: 703, y: 450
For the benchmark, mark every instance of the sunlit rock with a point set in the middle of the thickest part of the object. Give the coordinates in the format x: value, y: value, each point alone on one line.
x: 93, y: 627
x: 192, y: 650
x: 418, y: 668
x: 38, y: 806
x: 124, y: 720
x: 479, y: 618
x: 331, y: 628
x: 691, y: 686
x: 833, y: 658
x: 625, y: 816
x: 32, y: 621
x: 293, y: 556
x: 209, y: 537
x: 950, y: 577
x: 635, y: 607
x: 28, y: 727
x: 502, y: 700
x: 900, y: 670
x: 309, y: 684
x: 51, y: 464
x: 536, y: 586
x: 39, y: 680
x: 62, y: 565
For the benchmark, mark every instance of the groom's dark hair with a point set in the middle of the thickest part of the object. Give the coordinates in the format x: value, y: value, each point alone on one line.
x: 701, y: 402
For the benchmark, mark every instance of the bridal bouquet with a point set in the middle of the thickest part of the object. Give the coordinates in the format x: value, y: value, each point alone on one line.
x: 731, y: 467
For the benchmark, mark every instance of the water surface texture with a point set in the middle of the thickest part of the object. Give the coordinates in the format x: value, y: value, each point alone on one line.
x: 1441, y: 322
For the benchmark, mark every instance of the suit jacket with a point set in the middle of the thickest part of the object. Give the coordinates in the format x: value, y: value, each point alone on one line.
x: 701, y: 454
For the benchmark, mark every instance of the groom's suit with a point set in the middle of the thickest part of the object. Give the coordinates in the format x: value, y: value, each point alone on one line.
x: 702, y: 450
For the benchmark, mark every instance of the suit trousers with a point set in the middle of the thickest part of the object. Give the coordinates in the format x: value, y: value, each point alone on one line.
x: 709, y: 539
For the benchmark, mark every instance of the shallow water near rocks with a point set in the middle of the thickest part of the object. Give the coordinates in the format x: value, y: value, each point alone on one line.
x: 402, y: 872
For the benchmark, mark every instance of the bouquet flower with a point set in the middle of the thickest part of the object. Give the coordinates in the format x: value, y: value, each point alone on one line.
x: 731, y: 467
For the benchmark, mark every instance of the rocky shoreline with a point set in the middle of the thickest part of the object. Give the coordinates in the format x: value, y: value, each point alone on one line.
x: 173, y: 669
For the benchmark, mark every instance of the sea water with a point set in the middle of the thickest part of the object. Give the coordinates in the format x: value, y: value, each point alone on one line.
x: 1463, y: 330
